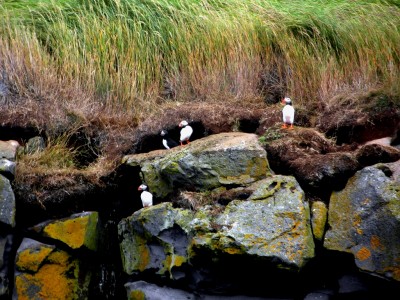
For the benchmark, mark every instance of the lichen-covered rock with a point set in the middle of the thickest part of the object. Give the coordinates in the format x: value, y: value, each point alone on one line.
x: 224, y: 159
x: 274, y: 224
x: 77, y: 231
x: 7, y: 202
x: 45, y: 272
x: 35, y: 144
x: 319, y: 215
x: 364, y: 220
x: 155, y: 238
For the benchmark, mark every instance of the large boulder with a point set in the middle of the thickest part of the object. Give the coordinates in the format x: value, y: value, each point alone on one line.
x: 226, y: 159
x: 274, y: 222
x: 364, y: 219
x: 272, y: 227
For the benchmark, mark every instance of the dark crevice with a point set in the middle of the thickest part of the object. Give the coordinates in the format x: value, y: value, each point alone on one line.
x: 249, y: 125
x: 153, y: 141
x: 19, y: 134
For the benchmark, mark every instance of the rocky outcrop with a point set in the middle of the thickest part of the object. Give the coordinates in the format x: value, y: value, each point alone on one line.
x: 222, y: 217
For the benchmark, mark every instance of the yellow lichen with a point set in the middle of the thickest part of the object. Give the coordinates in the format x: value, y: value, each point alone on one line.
x: 30, y: 260
x: 144, y: 258
x: 363, y: 254
x: 376, y: 243
x: 395, y: 272
x: 178, y: 260
x: 136, y: 295
x: 231, y: 250
x: 166, y: 264
x: 71, y: 232
x: 51, y: 281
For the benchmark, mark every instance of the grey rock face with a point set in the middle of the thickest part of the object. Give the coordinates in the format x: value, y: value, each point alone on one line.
x: 7, y: 168
x: 7, y: 202
x: 364, y: 220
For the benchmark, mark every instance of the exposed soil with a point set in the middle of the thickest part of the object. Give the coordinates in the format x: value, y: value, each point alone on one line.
x: 322, y: 151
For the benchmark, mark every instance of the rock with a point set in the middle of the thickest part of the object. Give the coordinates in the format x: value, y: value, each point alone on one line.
x: 273, y: 222
x: 7, y: 168
x: 272, y: 225
x: 7, y: 202
x: 44, y: 270
x: 8, y: 149
x: 143, y: 290
x: 319, y: 215
x: 35, y: 144
x: 364, y: 219
x: 78, y: 231
x: 168, y: 230
x: 226, y: 159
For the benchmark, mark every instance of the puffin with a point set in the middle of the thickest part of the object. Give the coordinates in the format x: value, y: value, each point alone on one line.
x: 167, y: 141
x: 146, y: 196
x: 186, y: 132
x: 287, y: 113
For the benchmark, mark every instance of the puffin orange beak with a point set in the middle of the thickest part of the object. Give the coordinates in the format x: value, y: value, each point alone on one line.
x: 283, y: 101
x: 138, y: 188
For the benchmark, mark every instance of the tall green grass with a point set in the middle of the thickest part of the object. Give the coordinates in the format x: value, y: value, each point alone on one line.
x: 128, y: 53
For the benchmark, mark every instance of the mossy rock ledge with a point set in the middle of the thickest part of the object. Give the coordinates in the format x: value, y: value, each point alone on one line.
x: 225, y: 159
